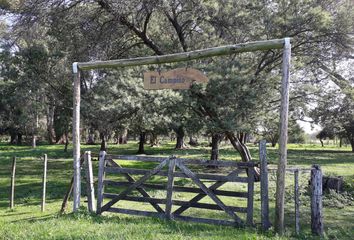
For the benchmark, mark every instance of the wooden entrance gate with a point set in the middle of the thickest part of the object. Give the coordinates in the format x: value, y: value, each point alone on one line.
x: 168, y: 169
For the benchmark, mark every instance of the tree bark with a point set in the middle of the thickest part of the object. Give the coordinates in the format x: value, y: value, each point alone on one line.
x: 154, y: 141
x: 19, y: 138
x: 321, y: 142
x: 50, y: 125
x: 193, y: 142
x: 91, y: 137
x: 123, y: 138
x: 34, y: 141
x: 215, y: 140
x: 180, y: 138
x: 141, y: 143
x: 103, y: 142
x: 243, y: 150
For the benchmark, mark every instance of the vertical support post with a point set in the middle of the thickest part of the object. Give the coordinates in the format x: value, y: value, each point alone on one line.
x: 316, y: 201
x: 76, y: 138
x: 44, y: 181
x: 250, y: 189
x: 12, y: 191
x: 264, y: 186
x: 297, y: 201
x: 90, y: 190
x: 100, y: 186
x: 171, y: 170
x: 283, y: 139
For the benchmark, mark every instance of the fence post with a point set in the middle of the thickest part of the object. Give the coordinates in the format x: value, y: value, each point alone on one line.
x: 171, y: 169
x: 100, y: 186
x: 264, y: 186
x: 90, y: 190
x: 316, y: 200
x: 44, y: 181
x: 13, y: 173
x: 297, y: 201
x: 250, y: 189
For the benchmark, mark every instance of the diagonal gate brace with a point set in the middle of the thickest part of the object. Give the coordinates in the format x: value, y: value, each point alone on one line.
x: 134, y: 185
x: 139, y: 189
x: 195, y: 179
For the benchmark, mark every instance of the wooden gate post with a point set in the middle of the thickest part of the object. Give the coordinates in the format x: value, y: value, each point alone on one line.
x: 90, y: 190
x: 264, y: 186
x: 283, y: 139
x: 12, y: 192
x: 250, y: 193
x: 171, y: 170
x: 316, y: 201
x: 44, y: 181
x: 100, y: 186
x: 297, y: 201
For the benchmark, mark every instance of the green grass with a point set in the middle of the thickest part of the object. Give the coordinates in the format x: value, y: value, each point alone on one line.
x: 26, y: 221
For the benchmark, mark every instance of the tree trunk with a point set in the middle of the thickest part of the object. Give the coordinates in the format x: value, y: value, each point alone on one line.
x: 34, y: 141
x: 215, y: 140
x: 123, y: 138
x: 243, y: 151
x: 340, y: 142
x: 103, y: 142
x: 13, y: 138
x: 154, y: 141
x: 321, y: 142
x: 180, y: 138
x: 91, y: 137
x: 193, y: 142
x: 50, y: 125
x: 66, y: 140
x: 141, y: 143
x: 19, y: 138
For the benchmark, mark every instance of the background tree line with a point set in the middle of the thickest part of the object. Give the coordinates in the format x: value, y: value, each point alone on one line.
x: 40, y: 40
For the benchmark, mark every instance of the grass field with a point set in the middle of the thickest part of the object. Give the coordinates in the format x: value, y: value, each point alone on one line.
x: 26, y: 221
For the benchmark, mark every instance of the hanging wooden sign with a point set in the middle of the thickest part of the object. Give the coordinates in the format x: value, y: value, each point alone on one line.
x: 179, y: 78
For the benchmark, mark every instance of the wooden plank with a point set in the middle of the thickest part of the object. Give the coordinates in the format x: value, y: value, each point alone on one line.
x: 250, y: 197
x: 135, y: 212
x: 188, y: 204
x: 200, y: 196
x: 178, y: 78
x: 90, y: 190
x: 316, y: 201
x: 185, y: 56
x: 134, y: 185
x: 139, y: 189
x: 64, y: 204
x: 12, y: 189
x: 76, y: 140
x: 297, y: 202
x: 284, y: 109
x: 44, y: 182
x: 210, y: 194
x: 171, y: 169
x: 179, y: 189
x: 178, y: 174
x: 207, y: 221
x: 187, y: 161
x: 101, y: 176
x: 264, y: 186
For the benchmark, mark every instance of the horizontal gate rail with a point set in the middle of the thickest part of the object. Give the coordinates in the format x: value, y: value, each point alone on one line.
x: 220, y: 163
x: 170, y: 168
x: 178, y: 189
x: 177, y: 174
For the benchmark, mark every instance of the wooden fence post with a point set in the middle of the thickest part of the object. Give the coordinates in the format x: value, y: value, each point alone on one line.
x: 250, y: 190
x: 100, y: 186
x: 264, y: 186
x: 90, y: 190
x: 171, y: 169
x: 44, y: 181
x: 13, y: 173
x: 283, y: 139
x: 316, y: 201
x: 297, y: 201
